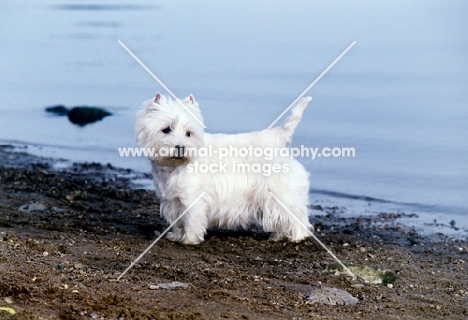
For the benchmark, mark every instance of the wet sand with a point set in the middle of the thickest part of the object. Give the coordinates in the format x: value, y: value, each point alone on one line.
x: 66, y: 235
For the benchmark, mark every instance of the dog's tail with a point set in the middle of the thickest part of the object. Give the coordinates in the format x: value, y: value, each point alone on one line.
x: 290, y: 125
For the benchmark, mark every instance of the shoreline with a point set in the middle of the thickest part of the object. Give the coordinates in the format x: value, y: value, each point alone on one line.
x: 65, y: 235
x: 429, y: 220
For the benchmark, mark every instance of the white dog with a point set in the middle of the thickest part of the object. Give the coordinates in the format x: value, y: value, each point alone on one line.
x: 238, y: 194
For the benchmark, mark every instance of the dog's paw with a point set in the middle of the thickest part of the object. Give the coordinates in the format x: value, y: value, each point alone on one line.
x: 173, y: 236
x: 277, y: 237
x: 192, y: 240
x: 298, y: 240
x: 300, y: 237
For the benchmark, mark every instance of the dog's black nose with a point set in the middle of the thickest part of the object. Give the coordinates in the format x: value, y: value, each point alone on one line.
x: 180, y: 150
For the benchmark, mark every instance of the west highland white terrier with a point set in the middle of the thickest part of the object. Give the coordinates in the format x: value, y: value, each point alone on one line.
x: 232, y: 171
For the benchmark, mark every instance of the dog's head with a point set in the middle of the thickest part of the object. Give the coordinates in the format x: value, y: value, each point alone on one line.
x: 170, y: 128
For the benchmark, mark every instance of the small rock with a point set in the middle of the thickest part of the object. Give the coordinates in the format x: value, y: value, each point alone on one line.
x: 362, y: 249
x: 153, y: 287
x: 368, y: 274
x: 45, y: 253
x: 8, y: 300
x: 331, y: 296
x: 94, y: 315
x: 60, y: 267
x: 390, y: 285
x: 78, y: 266
x: 173, y: 285
x: 38, y: 207
x: 58, y: 210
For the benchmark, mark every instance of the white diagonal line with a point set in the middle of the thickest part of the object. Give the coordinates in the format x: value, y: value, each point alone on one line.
x: 316, y: 239
x: 160, y: 236
x: 313, y: 83
x: 160, y: 82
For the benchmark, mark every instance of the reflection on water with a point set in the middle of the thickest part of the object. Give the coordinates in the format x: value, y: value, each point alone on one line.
x: 100, y: 24
x: 101, y: 7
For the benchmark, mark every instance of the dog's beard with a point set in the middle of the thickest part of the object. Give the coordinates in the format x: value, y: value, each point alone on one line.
x: 172, y: 161
x: 176, y: 157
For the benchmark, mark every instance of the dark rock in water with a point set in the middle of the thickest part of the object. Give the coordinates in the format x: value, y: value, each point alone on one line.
x: 80, y: 115
x: 85, y: 115
x: 58, y: 110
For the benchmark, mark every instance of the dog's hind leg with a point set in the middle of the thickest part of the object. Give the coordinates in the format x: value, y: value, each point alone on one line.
x: 288, y: 217
x: 300, y: 228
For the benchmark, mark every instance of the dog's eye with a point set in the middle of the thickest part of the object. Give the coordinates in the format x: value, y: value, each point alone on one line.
x: 187, y: 133
x: 167, y: 130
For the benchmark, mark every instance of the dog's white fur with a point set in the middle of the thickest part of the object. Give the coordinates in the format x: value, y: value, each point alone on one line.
x: 232, y: 200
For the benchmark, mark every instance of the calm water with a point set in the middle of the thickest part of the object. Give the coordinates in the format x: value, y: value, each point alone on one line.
x: 400, y: 95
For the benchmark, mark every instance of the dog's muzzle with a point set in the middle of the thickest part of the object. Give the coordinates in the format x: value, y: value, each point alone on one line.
x: 172, y: 162
x: 176, y: 159
x: 180, y: 150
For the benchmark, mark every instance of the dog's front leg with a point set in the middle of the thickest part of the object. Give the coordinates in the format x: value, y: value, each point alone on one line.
x: 195, y: 224
x: 170, y: 210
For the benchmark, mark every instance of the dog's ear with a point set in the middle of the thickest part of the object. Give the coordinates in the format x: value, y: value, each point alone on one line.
x: 153, y: 105
x: 190, y: 99
x: 157, y: 98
